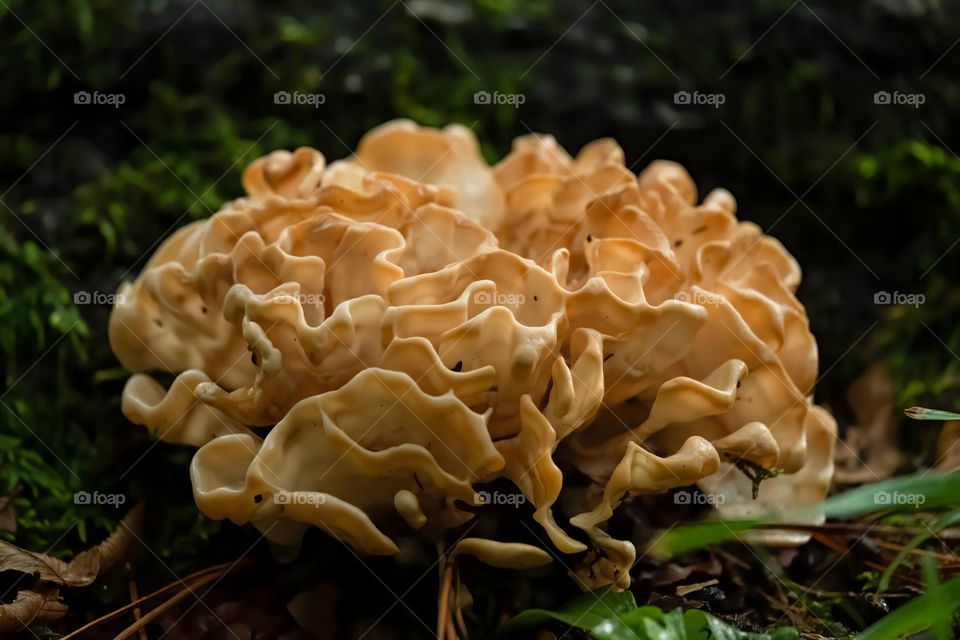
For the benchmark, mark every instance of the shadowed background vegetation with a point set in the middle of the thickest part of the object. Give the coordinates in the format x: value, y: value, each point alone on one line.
x: 865, y: 195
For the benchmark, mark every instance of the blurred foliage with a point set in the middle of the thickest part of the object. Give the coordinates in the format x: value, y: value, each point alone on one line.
x: 609, y: 615
x: 921, y: 182
x: 101, y: 186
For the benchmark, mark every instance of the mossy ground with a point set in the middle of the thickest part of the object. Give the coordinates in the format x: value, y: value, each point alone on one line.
x: 865, y: 195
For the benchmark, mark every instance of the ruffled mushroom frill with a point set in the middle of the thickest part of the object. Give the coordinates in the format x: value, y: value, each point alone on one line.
x: 360, y: 346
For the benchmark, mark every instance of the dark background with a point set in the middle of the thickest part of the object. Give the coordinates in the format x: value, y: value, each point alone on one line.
x: 865, y: 195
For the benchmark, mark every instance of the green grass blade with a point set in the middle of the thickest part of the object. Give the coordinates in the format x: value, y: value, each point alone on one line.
x: 946, y: 520
x: 928, y: 491
x: 687, y: 538
x: 922, y: 413
x: 598, y: 612
x: 608, y: 615
x: 921, y: 490
x: 919, y: 614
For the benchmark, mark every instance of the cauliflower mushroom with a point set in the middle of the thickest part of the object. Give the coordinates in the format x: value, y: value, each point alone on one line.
x: 411, y: 322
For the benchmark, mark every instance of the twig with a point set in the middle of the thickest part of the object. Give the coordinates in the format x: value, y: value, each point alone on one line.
x: 150, y: 596
x: 950, y: 559
x: 733, y: 559
x: 167, y: 604
x: 443, y: 606
x: 134, y: 596
x: 842, y: 527
x: 457, y: 609
x: 831, y: 543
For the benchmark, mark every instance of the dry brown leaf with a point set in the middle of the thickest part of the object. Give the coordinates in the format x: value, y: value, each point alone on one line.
x: 13, y: 558
x: 870, y: 452
x: 948, y: 453
x: 115, y: 549
x: 86, y: 566
x: 313, y: 609
x: 8, y: 513
x: 686, y: 589
x: 673, y: 573
x: 29, y: 608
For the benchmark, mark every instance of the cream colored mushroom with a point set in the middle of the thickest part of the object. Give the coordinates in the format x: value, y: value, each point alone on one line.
x: 411, y: 323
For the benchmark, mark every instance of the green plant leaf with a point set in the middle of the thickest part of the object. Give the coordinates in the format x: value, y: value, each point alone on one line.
x: 703, y: 626
x: 922, y: 413
x: 934, y: 608
x: 925, y: 490
x: 608, y: 615
x: 947, y: 520
x: 684, y: 539
x: 599, y: 612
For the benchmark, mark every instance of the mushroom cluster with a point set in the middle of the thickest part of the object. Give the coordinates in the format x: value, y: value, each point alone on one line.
x: 361, y: 346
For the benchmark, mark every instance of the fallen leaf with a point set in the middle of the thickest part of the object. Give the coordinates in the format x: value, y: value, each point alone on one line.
x: 948, y: 453
x: 13, y: 558
x: 86, y: 566
x: 673, y: 573
x: 869, y: 452
x: 687, y: 589
x: 313, y: 609
x: 31, y: 607
x: 8, y: 513
x: 115, y: 549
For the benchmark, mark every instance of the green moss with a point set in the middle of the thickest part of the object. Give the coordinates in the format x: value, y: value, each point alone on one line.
x: 199, y: 108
